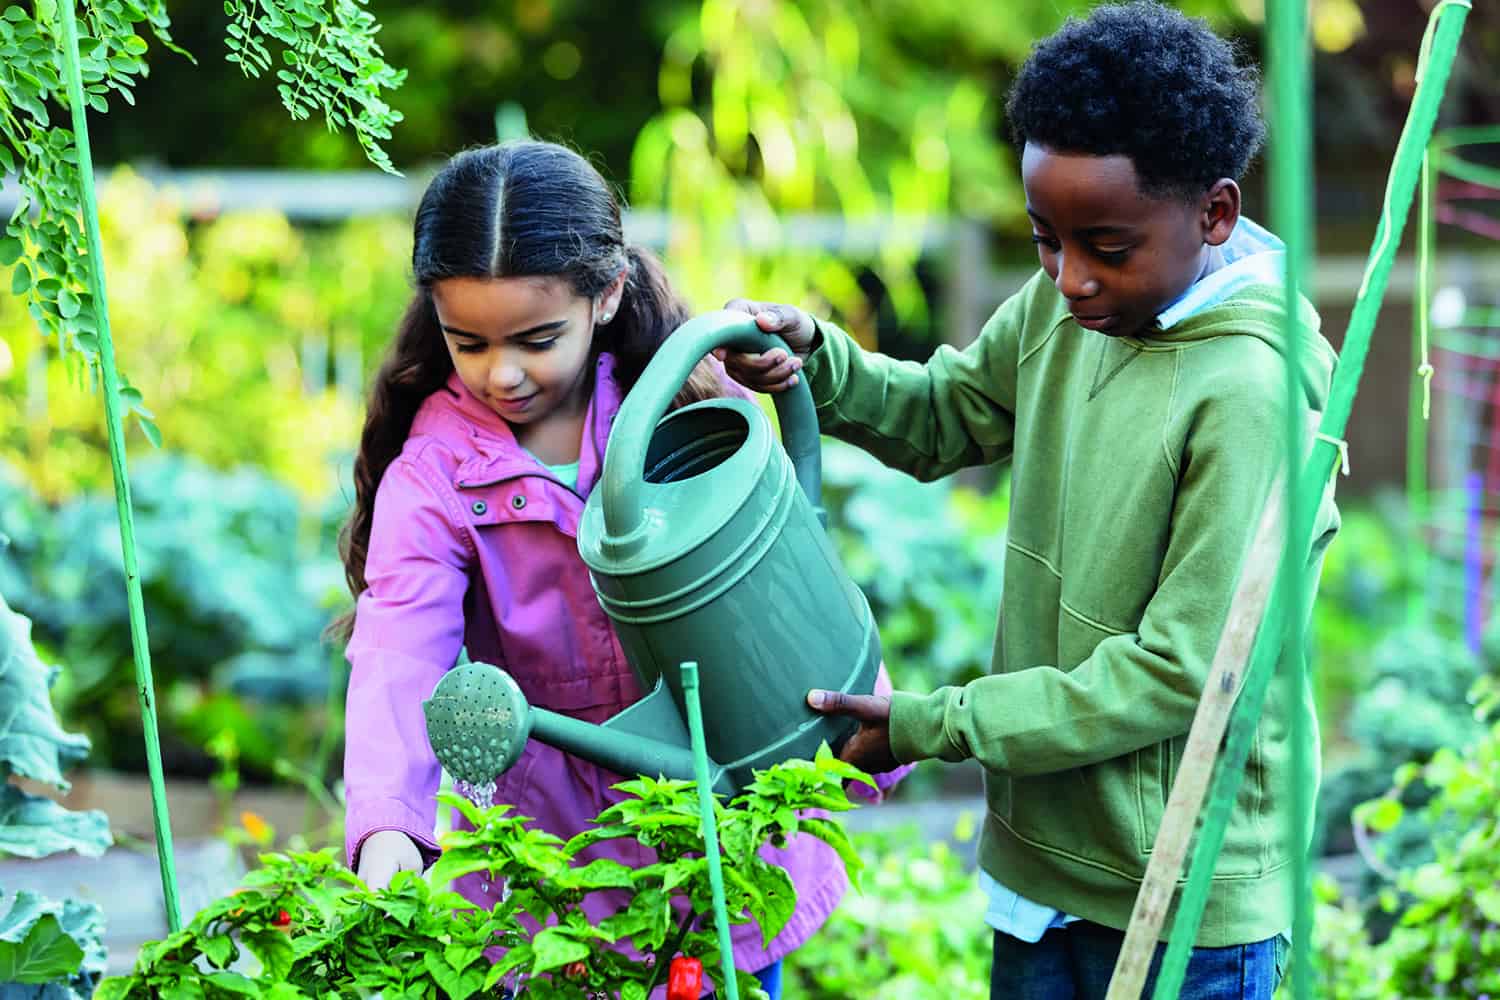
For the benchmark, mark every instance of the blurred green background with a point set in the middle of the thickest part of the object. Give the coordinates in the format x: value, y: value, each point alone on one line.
x: 850, y: 157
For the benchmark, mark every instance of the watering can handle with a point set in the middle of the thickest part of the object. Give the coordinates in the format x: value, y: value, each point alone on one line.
x: 625, y: 455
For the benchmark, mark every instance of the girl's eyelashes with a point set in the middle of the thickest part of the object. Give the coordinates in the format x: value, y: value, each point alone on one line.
x: 1049, y: 242
x: 1112, y: 256
x: 479, y: 346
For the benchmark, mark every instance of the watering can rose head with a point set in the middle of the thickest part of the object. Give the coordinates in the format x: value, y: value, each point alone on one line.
x: 478, y: 723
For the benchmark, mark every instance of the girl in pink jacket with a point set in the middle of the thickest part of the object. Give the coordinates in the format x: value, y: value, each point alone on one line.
x: 485, y: 432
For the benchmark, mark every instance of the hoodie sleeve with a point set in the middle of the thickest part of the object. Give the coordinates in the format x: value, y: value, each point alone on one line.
x: 408, y: 630
x: 927, y: 420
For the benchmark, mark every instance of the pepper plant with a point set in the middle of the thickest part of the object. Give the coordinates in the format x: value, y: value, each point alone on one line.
x: 313, y: 928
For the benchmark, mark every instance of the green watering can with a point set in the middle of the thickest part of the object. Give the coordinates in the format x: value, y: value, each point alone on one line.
x: 705, y: 543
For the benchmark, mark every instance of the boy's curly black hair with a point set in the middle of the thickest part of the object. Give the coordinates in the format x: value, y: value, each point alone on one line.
x: 1148, y: 82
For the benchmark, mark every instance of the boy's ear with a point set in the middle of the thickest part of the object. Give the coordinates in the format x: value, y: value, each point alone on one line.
x: 1221, y: 210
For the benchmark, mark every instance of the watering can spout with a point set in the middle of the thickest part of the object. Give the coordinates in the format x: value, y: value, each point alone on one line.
x: 478, y: 722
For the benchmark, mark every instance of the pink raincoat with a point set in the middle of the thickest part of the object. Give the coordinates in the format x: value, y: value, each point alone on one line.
x: 474, y: 544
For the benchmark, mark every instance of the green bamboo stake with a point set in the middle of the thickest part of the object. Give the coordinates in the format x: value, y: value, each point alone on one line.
x: 1291, y: 169
x: 1445, y: 26
x: 1418, y: 403
x: 144, y: 687
x: 710, y: 830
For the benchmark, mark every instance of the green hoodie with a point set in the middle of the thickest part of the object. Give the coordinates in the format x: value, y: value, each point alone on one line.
x: 1140, y: 468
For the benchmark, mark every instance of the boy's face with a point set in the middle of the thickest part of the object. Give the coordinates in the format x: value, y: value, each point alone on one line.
x: 1119, y: 256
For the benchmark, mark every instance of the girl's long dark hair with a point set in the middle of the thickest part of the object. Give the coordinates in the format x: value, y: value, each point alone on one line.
x: 518, y: 209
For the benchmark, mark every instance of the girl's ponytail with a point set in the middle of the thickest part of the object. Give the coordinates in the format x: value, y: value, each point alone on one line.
x: 649, y: 311
x: 418, y: 364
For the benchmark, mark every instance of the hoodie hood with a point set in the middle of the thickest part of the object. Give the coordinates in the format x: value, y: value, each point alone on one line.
x: 1258, y: 310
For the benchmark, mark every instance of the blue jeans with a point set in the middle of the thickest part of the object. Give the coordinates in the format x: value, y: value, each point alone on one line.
x: 770, y: 979
x: 1076, y: 961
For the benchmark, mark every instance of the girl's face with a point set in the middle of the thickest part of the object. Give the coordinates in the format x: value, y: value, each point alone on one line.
x: 521, y: 345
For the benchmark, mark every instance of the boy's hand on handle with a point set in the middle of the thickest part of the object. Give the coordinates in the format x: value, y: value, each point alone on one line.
x: 383, y: 854
x: 775, y: 370
x: 869, y: 749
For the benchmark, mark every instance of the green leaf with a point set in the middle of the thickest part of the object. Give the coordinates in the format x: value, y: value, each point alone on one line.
x: 450, y: 980
x: 43, y: 940
x: 601, y: 873
x: 218, y: 948
x: 460, y: 956
x: 633, y: 991
x: 1488, y: 902
x: 554, y: 948
x: 20, y: 280
x: 32, y: 826
x: 114, y: 988
x: 10, y: 250
x: 233, y: 982
x: 1380, y: 815
x: 67, y: 303
x: 135, y: 45
x: 32, y: 744
x: 152, y: 432
x: 43, y: 954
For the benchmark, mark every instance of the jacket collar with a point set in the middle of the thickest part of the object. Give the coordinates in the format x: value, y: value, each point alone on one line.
x: 489, y: 450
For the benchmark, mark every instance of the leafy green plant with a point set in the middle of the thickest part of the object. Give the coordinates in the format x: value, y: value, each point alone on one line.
x: 235, y: 602
x: 311, y: 927
x: 331, y: 63
x: 1446, y: 936
x: 1413, y: 705
x: 44, y: 943
x: 912, y: 933
x: 338, y: 68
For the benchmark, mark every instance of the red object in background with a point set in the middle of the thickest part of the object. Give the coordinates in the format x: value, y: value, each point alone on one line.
x: 283, y: 919
x: 685, y: 979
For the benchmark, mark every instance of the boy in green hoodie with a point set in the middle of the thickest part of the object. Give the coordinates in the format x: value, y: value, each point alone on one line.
x: 1135, y: 386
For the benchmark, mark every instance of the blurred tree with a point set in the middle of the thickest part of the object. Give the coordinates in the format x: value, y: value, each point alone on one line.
x: 583, y: 72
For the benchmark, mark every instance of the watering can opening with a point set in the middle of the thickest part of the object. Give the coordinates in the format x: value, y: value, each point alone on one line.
x: 693, y: 441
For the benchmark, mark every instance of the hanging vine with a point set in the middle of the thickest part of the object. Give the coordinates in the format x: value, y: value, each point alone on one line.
x: 331, y: 63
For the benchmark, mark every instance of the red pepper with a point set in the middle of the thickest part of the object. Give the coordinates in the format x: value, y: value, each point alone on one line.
x: 283, y: 919
x: 684, y: 979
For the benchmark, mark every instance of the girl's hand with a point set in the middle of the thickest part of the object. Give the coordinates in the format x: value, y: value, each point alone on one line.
x: 383, y: 854
x: 869, y: 749
x: 772, y: 371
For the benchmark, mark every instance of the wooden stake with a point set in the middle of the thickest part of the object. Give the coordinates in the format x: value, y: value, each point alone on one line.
x: 1225, y: 677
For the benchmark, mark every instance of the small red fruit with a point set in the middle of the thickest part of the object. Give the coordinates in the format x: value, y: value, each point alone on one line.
x: 575, y: 970
x: 283, y: 919
x: 684, y: 978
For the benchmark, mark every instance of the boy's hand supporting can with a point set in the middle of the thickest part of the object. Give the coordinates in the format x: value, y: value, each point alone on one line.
x: 869, y: 749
